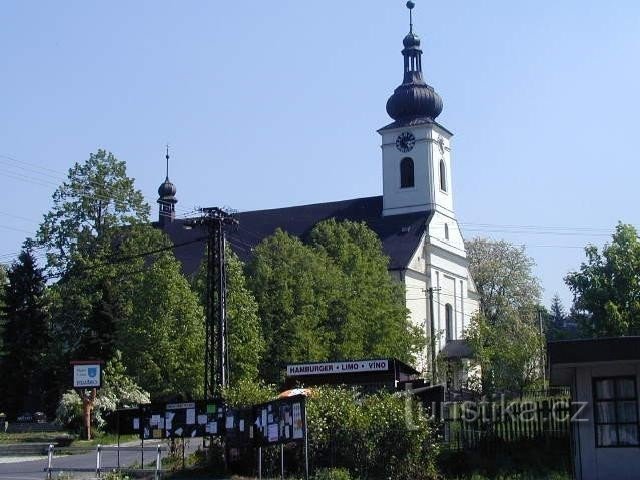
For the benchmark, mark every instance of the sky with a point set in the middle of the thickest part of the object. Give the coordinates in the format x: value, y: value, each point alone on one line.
x: 269, y: 104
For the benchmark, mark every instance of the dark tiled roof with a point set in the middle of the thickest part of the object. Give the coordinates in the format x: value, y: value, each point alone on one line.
x: 594, y: 350
x: 456, y: 349
x: 400, y: 234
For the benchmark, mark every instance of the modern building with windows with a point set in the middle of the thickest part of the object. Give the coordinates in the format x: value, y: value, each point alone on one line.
x: 603, y: 375
x: 414, y: 217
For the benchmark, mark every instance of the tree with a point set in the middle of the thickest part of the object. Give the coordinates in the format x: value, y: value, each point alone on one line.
x: 330, y: 299
x: 505, y: 334
x: 162, y: 339
x: 245, y: 342
x: 606, y: 289
x: 120, y: 285
x: 369, y: 308
x: 94, y: 203
x: 26, y: 336
x: 557, y: 313
x: 508, y: 350
x: 504, y: 278
x: 292, y: 285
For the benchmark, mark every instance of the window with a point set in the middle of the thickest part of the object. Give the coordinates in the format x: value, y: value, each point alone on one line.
x: 406, y: 173
x: 446, y: 231
x: 448, y: 318
x: 443, y: 176
x: 615, y: 402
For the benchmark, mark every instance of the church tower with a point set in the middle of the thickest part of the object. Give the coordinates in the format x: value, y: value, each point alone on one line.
x: 415, y: 148
x: 416, y: 169
x: 167, y: 199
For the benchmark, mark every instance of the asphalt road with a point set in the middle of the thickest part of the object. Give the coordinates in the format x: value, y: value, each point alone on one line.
x: 35, y: 469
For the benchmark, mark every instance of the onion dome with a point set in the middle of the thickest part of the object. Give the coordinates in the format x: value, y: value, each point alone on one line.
x: 166, y: 189
x: 411, y: 40
x: 414, y: 99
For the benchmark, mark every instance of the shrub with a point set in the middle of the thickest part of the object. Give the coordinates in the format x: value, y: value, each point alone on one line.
x: 384, y: 435
x: 332, y: 474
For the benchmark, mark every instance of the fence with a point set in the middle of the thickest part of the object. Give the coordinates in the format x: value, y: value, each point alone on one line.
x: 483, y: 424
x: 99, y: 468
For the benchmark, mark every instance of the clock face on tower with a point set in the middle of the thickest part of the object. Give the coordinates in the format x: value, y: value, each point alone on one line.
x: 405, y: 142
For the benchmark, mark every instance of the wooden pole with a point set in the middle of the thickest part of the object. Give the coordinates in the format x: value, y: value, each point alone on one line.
x: 87, y: 407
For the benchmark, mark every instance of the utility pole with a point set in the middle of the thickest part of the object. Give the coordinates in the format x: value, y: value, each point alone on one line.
x: 216, y: 361
x: 543, y: 363
x: 432, y: 334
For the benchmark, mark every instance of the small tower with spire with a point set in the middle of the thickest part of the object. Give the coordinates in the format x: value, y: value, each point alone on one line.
x: 415, y: 148
x: 167, y: 199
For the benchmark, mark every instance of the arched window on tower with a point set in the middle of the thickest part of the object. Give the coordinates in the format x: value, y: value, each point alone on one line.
x: 406, y: 173
x: 443, y: 176
x: 448, y: 316
x: 446, y: 231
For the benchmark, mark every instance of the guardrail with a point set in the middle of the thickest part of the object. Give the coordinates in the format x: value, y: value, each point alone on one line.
x: 157, y: 471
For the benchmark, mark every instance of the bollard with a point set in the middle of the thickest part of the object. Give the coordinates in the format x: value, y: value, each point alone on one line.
x: 98, y: 461
x: 157, y: 476
x: 49, y: 460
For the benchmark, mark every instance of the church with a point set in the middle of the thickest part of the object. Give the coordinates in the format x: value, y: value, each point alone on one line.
x: 414, y: 217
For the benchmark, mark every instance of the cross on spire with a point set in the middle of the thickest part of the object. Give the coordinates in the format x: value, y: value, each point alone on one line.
x: 167, y: 157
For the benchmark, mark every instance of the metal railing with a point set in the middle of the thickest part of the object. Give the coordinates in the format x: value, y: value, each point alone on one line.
x: 99, y: 469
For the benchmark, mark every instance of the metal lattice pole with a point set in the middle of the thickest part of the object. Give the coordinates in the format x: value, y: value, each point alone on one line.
x: 216, y: 352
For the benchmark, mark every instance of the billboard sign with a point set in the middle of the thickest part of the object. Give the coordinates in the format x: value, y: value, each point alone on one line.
x: 87, y: 375
x: 328, y: 368
x: 280, y: 421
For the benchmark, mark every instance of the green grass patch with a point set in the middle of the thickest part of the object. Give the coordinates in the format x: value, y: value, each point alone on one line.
x: 104, y: 439
x: 34, y: 437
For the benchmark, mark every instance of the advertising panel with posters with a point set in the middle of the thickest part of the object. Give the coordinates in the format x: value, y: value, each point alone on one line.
x: 280, y: 421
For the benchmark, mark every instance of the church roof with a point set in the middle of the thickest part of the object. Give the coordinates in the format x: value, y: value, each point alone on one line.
x: 400, y: 234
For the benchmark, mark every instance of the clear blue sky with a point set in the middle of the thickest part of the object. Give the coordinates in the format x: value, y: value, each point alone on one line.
x: 269, y: 104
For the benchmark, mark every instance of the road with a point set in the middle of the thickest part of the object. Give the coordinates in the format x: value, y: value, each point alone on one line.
x: 34, y: 469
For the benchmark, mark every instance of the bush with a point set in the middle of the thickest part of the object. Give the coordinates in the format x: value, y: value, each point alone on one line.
x: 332, y: 474
x: 384, y: 435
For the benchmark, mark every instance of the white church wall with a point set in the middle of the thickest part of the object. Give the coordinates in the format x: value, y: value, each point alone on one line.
x: 416, y: 301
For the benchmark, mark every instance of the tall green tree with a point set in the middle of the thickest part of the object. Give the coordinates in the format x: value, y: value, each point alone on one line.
x: 508, y: 349
x: 89, y: 209
x: 503, y: 275
x: 245, y: 342
x: 293, y: 286
x: 606, y: 288
x: 119, y: 284
x: 369, y: 307
x: 557, y: 313
x: 26, y: 337
x: 162, y: 339
x: 505, y: 334
x: 329, y: 299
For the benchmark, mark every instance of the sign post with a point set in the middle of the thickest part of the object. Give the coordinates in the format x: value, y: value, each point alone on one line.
x: 87, y: 379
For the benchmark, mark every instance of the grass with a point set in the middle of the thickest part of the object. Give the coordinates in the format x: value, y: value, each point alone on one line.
x: 31, y: 437
x: 68, y: 441
x: 104, y: 439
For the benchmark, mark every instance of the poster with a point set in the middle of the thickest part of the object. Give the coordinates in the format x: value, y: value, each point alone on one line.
x: 191, y: 416
x: 279, y: 421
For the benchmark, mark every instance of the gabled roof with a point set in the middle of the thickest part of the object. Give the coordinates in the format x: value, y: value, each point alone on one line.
x: 400, y: 234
